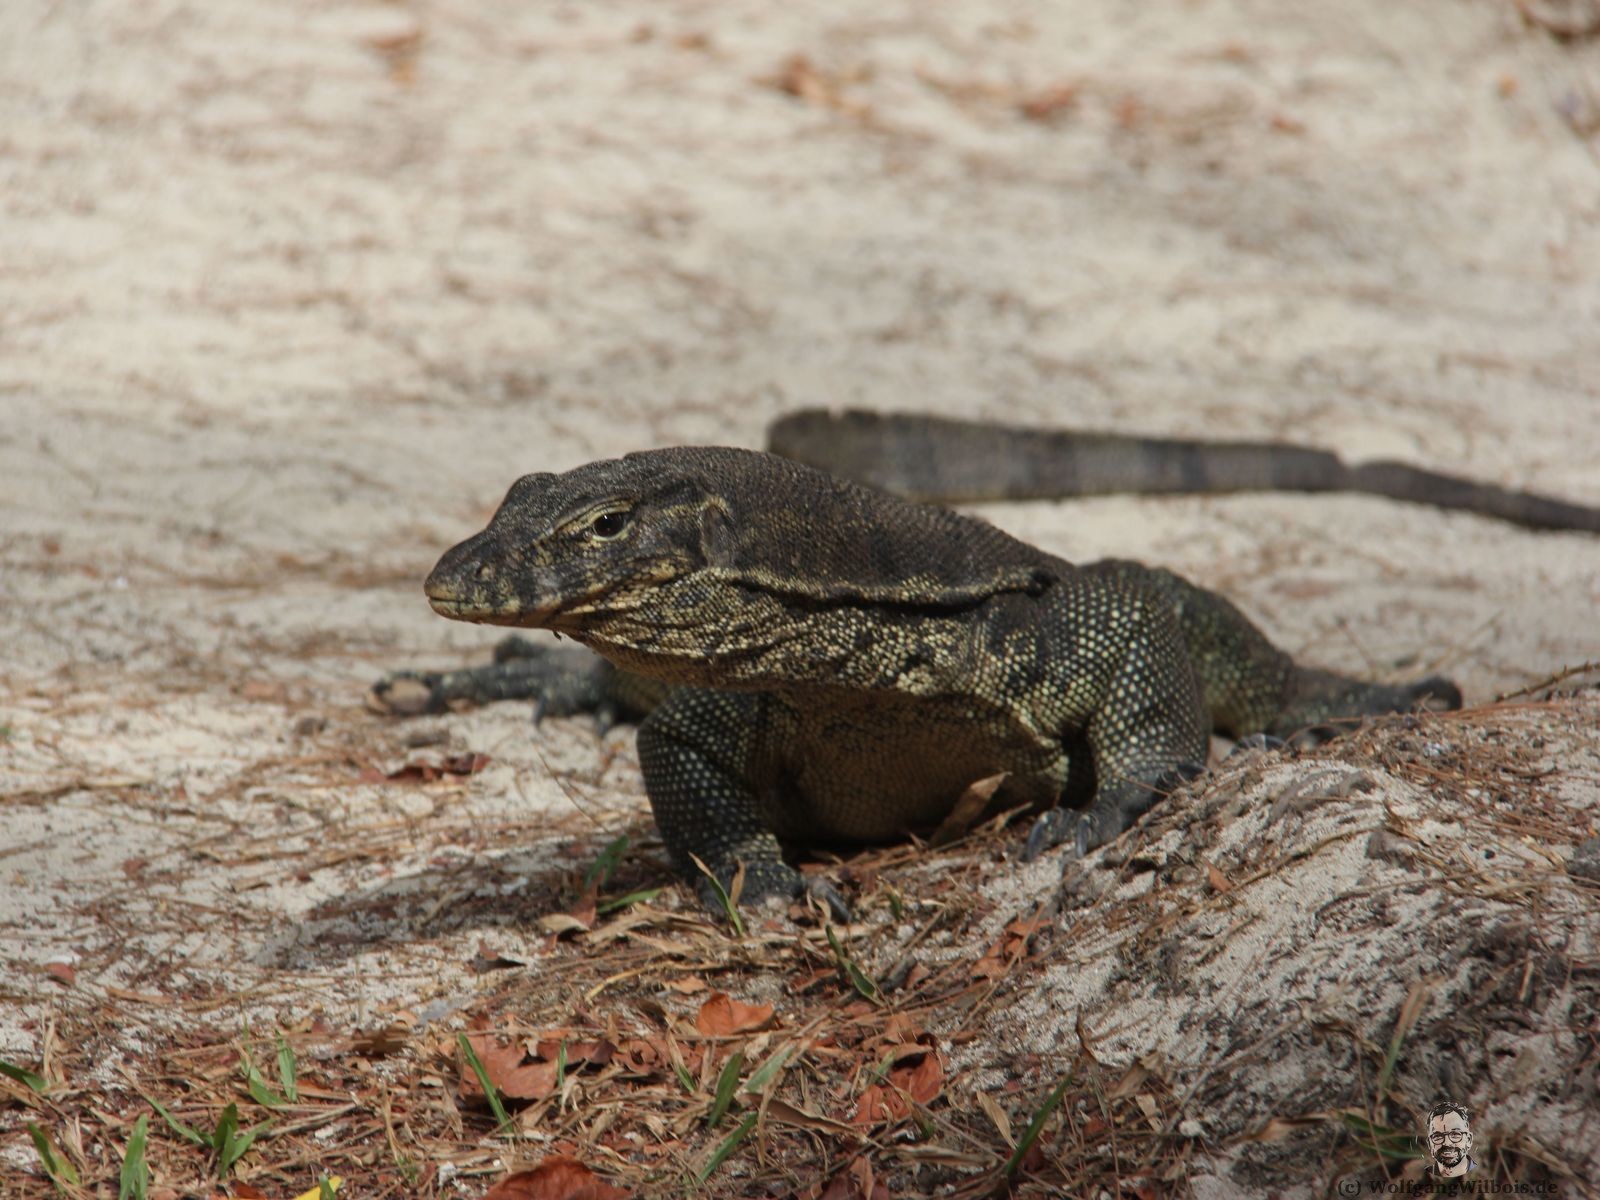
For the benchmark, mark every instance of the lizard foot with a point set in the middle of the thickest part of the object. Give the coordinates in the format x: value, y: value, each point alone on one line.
x: 1256, y: 743
x: 1107, y: 817
x: 560, y: 682
x: 773, y: 879
x: 407, y: 694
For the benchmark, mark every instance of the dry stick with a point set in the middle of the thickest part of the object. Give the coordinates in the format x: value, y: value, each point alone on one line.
x: 1565, y: 673
x: 564, y: 784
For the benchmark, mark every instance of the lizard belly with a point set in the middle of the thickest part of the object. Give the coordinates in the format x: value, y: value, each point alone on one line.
x: 875, y: 769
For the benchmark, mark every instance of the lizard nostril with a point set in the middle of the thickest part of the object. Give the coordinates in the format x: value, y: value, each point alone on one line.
x: 483, y: 572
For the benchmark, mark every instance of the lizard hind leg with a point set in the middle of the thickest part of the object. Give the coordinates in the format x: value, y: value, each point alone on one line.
x: 1252, y: 687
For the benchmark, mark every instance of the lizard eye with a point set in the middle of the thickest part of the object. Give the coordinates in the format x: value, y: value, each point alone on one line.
x: 608, y: 524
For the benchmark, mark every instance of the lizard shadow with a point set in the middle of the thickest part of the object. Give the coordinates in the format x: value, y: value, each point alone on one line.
x: 457, y: 902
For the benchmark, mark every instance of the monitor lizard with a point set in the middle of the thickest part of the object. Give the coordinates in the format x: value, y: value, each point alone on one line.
x: 821, y: 662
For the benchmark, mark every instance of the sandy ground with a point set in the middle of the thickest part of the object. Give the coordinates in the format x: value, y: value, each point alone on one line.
x: 289, y: 293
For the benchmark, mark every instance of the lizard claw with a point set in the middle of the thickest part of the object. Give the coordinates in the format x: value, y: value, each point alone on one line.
x: 818, y: 888
x: 1256, y: 743
x: 766, y: 880
x: 407, y: 694
x: 1053, y: 828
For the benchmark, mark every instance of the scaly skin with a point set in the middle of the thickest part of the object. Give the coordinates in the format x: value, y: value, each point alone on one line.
x: 843, y: 664
x: 926, y: 457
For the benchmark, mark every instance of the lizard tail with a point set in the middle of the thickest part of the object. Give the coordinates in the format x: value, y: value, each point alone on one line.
x: 1315, y: 699
x: 943, y: 460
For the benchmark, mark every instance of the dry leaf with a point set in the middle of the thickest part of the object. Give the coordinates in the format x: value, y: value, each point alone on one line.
x: 968, y: 808
x: 784, y: 1113
x: 1048, y: 103
x: 555, y: 1179
x: 379, y: 1042
x: 800, y: 78
x: 560, y: 923
x: 261, y: 689
x: 489, y: 959
x: 425, y: 770
x: 506, y: 1069
x: 916, y: 1077
x: 1219, y: 882
x: 856, y: 1182
x: 62, y: 972
x: 997, y: 1115
x: 1008, y: 950
x: 722, y: 1016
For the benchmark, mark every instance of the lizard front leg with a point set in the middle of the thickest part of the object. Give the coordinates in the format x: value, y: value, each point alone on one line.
x: 1147, y: 734
x: 561, y: 681
x: 702, y: 753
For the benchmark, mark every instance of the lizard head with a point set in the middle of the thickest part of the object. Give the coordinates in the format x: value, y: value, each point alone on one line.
x: 706, y: 565
x: 572, y: 552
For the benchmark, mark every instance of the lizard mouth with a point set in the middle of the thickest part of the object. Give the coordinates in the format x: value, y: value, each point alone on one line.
x: 486, y: 611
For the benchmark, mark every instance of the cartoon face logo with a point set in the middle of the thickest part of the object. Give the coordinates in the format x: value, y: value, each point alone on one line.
x: 1450, y: 1140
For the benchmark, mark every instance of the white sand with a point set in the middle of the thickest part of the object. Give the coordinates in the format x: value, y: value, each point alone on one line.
x: 291, y: 293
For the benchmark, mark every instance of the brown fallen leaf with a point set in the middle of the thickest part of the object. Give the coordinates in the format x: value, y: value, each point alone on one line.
x: 62, y: 972
x: 1219, y: 882
x: 1011, y: 948
x: 1044, y: 105
x: 640, y: 1057
x: 968, y: 808
x: 784, y: 1113
x: 428, y: 770
x: 856, y: 1182
x: 916, y: 1077
x: 261, y: 689
x: 385, y: 1040
x: 723, y: 1016
x: 801, y: 78
x: 555, y: 1179
x: 489, y: 959
x: 507, y: 1069
x: 598, y: 1053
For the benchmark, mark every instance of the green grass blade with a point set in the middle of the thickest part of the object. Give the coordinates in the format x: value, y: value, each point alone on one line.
x: 288, y: 1074
x: 1388, y: 1143
x: 187, y: 1132
x: 1031, y: 1134
x: 728, y: 1146
x: 227, y: 1126
x: 600, y: 871
x: 502, y: 1118
x: 643, y: 896
x: 56, y: 1165
x: 727, y: 1084
x: 258, y: 1089
x: 23, y: 1076
x: 236, y: 1147
x: 858, y: 978
x: 134, y: 1182
x: 768, y: 1071
x: 729, y: 909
